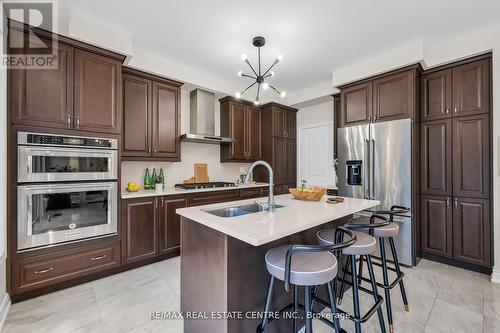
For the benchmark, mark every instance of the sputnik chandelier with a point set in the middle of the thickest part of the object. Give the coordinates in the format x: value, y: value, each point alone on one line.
x: 259, y: 76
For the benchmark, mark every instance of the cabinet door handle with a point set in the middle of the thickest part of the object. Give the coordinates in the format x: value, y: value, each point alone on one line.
x: 77, y: 121
x: 149, y: 150
x: 98, y: 257
x: 455, y: 109
x: 162, y: 201
x: 68, y: 120
x: 448, y: 202
x: 369, y: 118
x: 375, y: 117
x: 456, y: 203
x: 42, y: 271
x: 156, y: 202
x: 447, y: 110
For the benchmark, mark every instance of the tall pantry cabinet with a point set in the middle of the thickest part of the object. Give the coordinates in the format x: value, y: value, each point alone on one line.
x: 455, y: 164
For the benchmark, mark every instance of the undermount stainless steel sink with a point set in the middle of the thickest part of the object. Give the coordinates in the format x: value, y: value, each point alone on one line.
x: 239, y: 210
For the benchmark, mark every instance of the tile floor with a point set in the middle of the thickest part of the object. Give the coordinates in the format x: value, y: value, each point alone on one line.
x: 442, y: 299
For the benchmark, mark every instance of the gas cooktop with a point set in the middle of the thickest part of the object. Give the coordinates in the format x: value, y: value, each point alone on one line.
x: 196, y: 186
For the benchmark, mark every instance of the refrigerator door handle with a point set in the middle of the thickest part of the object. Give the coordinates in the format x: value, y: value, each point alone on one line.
x: 372, y: 170
x: 366, y: 161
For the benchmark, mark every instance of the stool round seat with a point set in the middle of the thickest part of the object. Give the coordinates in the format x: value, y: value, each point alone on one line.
x: 364, y: 245
x: 307, y: 269
x: 390, y: 230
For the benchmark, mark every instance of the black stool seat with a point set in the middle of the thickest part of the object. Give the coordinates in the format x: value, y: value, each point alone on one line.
x: 390, y: 230
x: 308, y: 268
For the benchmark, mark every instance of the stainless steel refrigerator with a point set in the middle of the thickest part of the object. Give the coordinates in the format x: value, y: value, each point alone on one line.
x: 375, y: 163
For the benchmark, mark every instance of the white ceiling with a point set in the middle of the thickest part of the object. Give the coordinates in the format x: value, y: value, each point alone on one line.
x: 315, y: 36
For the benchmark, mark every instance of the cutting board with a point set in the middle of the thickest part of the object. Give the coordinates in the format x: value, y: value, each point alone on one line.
x: 200, y: 174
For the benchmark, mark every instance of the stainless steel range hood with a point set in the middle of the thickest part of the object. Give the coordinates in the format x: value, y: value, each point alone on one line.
x: 202, y: 119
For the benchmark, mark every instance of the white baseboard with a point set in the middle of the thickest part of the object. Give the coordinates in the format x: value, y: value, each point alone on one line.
x: 4, y: 309
x: 495, y: 275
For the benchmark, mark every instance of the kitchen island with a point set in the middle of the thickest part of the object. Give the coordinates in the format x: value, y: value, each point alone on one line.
x: 223, y: 271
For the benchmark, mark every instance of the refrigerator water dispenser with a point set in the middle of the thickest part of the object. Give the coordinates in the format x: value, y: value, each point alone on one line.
x: 354, y: 173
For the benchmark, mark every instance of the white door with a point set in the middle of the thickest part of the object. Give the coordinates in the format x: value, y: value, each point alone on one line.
x: 316, y: 155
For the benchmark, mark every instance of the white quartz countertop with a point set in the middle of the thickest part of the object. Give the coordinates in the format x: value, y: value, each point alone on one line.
x: 263, y: 227
x: 174, y: 191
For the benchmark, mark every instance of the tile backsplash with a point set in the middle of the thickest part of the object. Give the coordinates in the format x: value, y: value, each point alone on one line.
x: 176, y: 172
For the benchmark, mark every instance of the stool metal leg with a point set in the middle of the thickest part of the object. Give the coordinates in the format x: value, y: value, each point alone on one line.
x: 307, y: 306
x: 360, y: 270
x: 386, y: 283
x: 375, y: 292
x: 267, y: 307
x: 398, y: 271
x: 333, y: 305
x: 295, y: 307
x: 344, y: 275
x: 355, y: 293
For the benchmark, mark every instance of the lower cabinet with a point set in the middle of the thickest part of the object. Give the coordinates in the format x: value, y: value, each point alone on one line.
x: 48, y: 269
x: 471, y: 231
x: 170, y: 223
x: 436, y: 221
x: 457, y: 228
x: 140, y: 224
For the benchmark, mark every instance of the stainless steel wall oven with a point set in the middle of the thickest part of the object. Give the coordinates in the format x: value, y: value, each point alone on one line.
x: 67, y: 189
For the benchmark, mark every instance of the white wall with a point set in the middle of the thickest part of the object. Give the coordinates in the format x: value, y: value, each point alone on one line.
x: 176, y: 172
x: 315, y: 114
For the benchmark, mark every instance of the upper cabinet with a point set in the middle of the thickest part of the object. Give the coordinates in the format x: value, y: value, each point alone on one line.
x: 151, y: 117
x: 83, y: 93
x: 386, y: 97
x: 460, y: 91
x: 284, y: 122
x: 242, y: 122
x: 394, y: 96
x: 356, y: 104
x: 98, y: 89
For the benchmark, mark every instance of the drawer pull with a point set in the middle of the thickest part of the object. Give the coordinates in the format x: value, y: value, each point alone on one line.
x: 98, y: 257
x: 44, y: 270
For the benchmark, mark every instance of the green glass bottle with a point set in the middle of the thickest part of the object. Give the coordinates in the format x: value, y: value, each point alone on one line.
x: 153, y: 179
x: 162, y: 177
x: 147, y: 180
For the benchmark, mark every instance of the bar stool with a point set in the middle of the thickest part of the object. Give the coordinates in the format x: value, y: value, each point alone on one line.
x: 383, y: 233
x: 364, y: 247
x: 307, y: 266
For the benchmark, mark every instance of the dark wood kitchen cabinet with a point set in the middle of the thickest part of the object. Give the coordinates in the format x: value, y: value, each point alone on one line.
x: 43, y: 97
x: 241, y: 121
x: 170, y: 223
x: 437, y: 224
x: 140, y: 226
x: 471, y: 231
x: 394, y: 96
x: 436, y: 157
x: 456, y: 91
x: 98, y: 93
x: 471, y: 88
x: 471, y: 156
x: 456, y: 163
x: 356, y: 104
x: 284, y: 122
x: 278, y: 151
x: 84, y: 92
x: 136, y: 116
x: 151, y: 116
x: 436, y: 95
x: 336, y: 123
x: 389, y: 96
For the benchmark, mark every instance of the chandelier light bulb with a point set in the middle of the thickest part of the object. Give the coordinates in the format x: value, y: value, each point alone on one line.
x: 279, y: 57
x: 265, y: 85
x: 244, y: 57
x: 283, y: 94
x: 271, y: 73
x: 237, y: 95
x: 256, y: 102
x: 240, y: 73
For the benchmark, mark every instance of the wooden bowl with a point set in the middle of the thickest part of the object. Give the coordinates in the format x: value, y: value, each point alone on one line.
x: 315, y: 193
